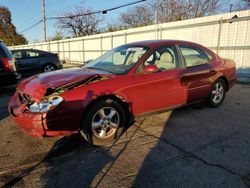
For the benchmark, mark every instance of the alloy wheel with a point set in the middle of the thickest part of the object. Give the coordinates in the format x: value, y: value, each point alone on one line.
x: 105, y: 122
x: 49, y: 68
x: 218, y: 92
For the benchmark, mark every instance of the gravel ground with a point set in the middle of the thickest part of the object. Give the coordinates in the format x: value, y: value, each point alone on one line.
x: 193, y: 146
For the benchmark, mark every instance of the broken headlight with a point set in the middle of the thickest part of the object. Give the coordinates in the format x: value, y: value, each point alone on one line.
x: 45, y: 105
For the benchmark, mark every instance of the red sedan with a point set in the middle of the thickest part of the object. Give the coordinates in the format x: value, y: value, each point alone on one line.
x: 131, y: 80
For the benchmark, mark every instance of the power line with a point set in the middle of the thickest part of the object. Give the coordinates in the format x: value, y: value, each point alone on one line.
x: 54, y: 12
x: 65, y: 8
x: 33, y: 25
x: 85, y: 14
x: 96, y: 12
x: 53, y: 2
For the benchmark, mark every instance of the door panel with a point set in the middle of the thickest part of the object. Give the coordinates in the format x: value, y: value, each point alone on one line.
x: 197, y: 80
x: 30, y: 62
x: 198, y: 74
x: 153, y: 92
x: 163, y: 89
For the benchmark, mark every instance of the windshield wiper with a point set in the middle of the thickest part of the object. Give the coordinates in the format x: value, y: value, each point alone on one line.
x: 98, y: 69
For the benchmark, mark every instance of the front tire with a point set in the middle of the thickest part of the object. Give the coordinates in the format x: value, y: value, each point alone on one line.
x: 217, y: 94
x: 103, y: 123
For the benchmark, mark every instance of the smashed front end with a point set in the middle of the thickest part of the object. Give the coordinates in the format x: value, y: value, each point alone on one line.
x: 54, y: 111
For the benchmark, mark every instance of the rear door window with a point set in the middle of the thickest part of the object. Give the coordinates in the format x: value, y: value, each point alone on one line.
x: 193, y: 56
x: 31, y: 54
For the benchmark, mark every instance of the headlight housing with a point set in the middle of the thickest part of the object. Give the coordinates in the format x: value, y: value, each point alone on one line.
x: 46, y: 105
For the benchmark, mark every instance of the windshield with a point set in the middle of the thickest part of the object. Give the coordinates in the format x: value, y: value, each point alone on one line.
x: 119, y: 60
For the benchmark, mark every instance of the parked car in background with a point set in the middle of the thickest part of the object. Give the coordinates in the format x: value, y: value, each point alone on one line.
x: 135, y: 79
x: 8, y: 74
x: 31, y: 61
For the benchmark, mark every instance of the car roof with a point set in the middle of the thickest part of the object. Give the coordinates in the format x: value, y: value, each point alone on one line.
x: 30, y: 49
x: 27, y: 49
x: 156, y: 43
x: 160, y: 43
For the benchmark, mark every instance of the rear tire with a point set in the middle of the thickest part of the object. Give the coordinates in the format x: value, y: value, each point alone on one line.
x: 49, y: 68
x: 217, y: 94
x: 103, y: 123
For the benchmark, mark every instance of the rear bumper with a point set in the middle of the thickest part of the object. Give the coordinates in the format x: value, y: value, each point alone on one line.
x: 33, y: 124
x: 232, y: 82
x: 59, y: 65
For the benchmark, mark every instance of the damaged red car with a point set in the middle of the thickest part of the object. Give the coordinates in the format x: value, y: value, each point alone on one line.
x: 135, y: 79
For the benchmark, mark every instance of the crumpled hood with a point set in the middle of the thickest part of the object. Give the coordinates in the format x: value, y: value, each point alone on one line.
x: 36, y: 86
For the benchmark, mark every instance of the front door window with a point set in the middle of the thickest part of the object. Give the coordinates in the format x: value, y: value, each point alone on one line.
x: 164, y: 58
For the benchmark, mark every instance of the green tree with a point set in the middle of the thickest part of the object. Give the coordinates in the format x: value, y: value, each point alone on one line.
x: 7, y: 30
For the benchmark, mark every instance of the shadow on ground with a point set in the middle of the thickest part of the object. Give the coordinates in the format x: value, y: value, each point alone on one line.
x: 72, y: 162
x: 200, y: 157
x: 62, y: 149
x: 5, y: 94
x: 194, y: 147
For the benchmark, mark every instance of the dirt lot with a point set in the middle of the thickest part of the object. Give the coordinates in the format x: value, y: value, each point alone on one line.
x: 193, y: 146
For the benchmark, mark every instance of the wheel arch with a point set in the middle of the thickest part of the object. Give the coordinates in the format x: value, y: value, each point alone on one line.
x: 125, y: 105
x: 48, y: 63
x: 225, y: 81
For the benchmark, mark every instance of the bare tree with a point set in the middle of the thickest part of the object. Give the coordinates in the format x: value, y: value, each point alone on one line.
x: 111, y: 27
x: 247, y: 3
x: 80, y: 22
x: 138, y: 16
x: 243, y: 5
x: 57, y: 36
x: 170, y: 10
x: 199, y: 8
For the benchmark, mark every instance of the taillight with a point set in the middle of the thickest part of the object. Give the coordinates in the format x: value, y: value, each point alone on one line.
x: 8, y: 64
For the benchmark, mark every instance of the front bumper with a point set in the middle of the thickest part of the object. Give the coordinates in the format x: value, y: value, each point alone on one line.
x: 34, y: 124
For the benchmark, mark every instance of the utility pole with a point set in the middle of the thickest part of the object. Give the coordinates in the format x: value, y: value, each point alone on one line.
x: 155, y: 18
x: 231, y: 7
x: 44, y: 20
x: 156, y: 23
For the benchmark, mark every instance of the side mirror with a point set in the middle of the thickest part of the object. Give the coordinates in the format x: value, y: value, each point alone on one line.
x: 150, y: 69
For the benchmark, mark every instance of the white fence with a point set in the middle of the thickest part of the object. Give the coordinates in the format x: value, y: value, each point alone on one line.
x: 228, y: 37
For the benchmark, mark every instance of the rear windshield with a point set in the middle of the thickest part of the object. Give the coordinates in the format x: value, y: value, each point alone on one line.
x: 4, y: 51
